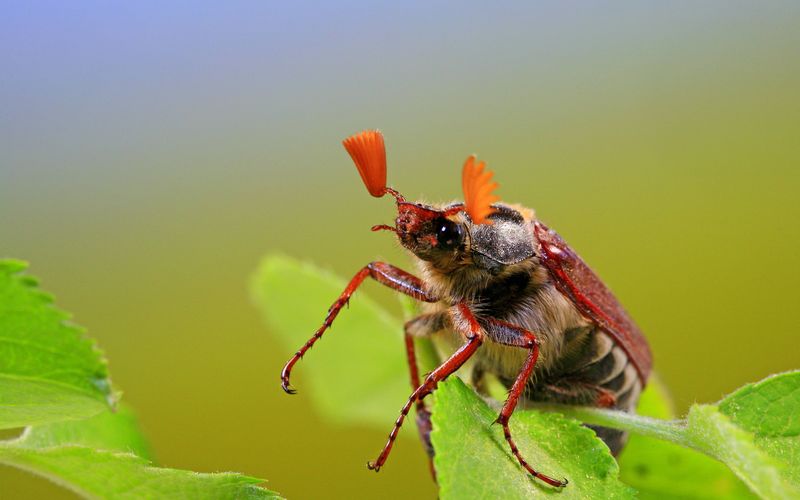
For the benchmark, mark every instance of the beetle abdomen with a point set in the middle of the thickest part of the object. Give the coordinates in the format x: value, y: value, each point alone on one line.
x: 593, y: 371
x: 601, y: 362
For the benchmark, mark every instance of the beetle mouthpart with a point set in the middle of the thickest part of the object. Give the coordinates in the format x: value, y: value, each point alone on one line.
x: 383, y: 227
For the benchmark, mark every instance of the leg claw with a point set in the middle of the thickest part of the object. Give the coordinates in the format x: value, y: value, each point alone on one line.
x: 552, y: 482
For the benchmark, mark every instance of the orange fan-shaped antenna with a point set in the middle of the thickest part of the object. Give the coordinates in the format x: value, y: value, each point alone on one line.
x: 478, y: 188
x: 369, y: 154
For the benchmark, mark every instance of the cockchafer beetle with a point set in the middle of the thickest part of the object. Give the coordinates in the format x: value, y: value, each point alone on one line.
x: 508, y: 294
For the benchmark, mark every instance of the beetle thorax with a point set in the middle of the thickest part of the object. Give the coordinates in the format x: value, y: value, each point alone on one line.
x: 485, y: 254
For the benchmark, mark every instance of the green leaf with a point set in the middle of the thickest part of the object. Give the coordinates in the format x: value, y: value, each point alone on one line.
x: 108, y: 474
x: 661, y: 469
x: 761, y: 450
x: 105, y: 456
x: 713, y: 433
x: 770, y: 409
x: 50, y: 373
x: 754, y: 431
x: 49, y: 370
x: 473, y: 459
x: 357, y: 371
x: 114, y: 431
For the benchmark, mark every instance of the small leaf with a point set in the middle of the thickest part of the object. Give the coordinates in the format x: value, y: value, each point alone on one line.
x: 357, y: 371
x: 766, y: 464
x: 108, y: 474
x: 112, y: 431
x: 770, y: 409
x: 660, y: 469
x: 104, y: 456
x: 49, y: 370
x: 473, y: 459
x: 715, y: 434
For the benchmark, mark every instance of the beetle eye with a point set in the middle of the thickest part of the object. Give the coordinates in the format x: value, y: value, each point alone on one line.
x: 449, y: 234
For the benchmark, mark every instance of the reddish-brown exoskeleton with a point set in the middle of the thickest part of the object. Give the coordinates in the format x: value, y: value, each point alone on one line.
x: 506, y: 293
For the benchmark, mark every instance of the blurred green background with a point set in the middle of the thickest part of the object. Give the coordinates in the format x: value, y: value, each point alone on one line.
x: 151, y: 153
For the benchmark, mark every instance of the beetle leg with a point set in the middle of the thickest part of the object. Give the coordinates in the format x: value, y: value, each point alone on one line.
x: 383, y: 273
x: 422, y: 326
x: 511, y: 335
x: 578, y: 392
x: 464, y: 321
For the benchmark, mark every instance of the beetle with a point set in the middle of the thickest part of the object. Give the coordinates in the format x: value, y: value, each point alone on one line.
x: 506, y: 293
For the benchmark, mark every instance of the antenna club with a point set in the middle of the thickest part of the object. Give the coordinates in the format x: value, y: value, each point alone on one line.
x: 368, y: 151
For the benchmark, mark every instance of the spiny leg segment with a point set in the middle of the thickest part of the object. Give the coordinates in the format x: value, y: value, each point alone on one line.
x: 423, y: 326
x: 468, y: 326
x: 383, y: 273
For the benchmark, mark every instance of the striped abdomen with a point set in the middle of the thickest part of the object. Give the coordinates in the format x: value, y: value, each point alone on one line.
x: 592, y: 368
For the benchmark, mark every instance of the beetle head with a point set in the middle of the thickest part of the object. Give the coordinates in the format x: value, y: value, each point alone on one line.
x: 495, y: 234
x: 431, y: 234
x: 449, y: 238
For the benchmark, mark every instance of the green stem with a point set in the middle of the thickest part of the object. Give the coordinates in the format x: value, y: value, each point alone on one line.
x: 668, y: 430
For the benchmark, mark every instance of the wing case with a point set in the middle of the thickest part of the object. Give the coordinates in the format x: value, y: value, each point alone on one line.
x: 594, y: 300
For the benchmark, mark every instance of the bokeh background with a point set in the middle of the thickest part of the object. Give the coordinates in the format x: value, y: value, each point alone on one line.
x: 152, y: 152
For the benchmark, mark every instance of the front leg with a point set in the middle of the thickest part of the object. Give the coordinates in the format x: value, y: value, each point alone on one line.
x: 383, y: 273
x: 463, y: 321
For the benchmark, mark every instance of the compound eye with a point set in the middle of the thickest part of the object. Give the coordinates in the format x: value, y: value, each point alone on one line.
x: 449, y: 234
